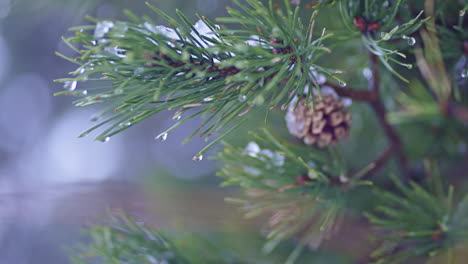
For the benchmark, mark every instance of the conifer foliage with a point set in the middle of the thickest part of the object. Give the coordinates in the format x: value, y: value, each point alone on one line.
x: 275, y: 56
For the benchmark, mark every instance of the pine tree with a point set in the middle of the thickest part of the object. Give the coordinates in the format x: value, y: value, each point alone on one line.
x: 290, y: 58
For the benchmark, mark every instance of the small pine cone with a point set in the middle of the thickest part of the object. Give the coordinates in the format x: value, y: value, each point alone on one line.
x: 325, y: 124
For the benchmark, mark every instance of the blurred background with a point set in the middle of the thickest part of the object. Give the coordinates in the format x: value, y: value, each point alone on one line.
x: 53, y: 184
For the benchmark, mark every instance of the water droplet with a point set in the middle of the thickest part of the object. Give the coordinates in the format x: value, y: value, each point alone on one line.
x: 344, y: 179
x: 464, y: 73
x: 116, y: 51
x: 367, y: 73
x: 320, y: 78
x: 125, y: 124
x: 106, y: 139
x: 411, y: 40
x: 84, y: 92
x: 198, y: 158
x: 342, y: 84
x: 462, y: 12
x: 94, y: 43
x: 208, y: 99
x: 162, y: 137
x: 82, y: 73
x: 70, y: 85
x: 177, y: 117
x: 102, y: 28
x: 284, y: 107
x: 409, y: 66
x: 242, y: 98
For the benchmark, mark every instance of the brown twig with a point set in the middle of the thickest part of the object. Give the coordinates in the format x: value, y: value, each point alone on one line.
x: 372, y: 96
x: 379, y: 163
x: 381, y: 113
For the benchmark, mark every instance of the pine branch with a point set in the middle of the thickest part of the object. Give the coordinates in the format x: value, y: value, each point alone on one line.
x: 419, y: 221
x: 219, y: 72
x: 126, y: 241
x: 369, y: 18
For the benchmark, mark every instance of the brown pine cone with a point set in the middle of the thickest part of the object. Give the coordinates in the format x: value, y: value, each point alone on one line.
x: 326, y: 123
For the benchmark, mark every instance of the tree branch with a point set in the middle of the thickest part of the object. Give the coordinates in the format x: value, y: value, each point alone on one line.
x: 379, y: 109
x: 377, y: 164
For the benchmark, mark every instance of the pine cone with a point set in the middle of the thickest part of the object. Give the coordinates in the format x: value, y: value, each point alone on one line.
x: 325, y: 124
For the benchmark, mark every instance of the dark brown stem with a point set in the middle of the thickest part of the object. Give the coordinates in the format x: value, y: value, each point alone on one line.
x: 372, y: 96
x: 379, y: 109
x: 379, y: 163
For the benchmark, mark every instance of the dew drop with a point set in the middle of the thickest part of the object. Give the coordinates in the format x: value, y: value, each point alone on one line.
x: 342, y: 84
x: 320, y: 78
x: 367, y: 73
x: 198, y: 158
x: 84, y: 92
x: 82, y: 72
x: 177, y: 117
x: 116, y: 51
x: 411, y: 40
x: 125, y: 124
x: 464, y: 73
x: 284, y: 107
x: 106, y: 139
x: 162, y: 137
x: 94, y: 42
x: 409, y: 66
x: 242, y: 98
x: 70, y: 85
x: 208, y: 99
x: 462, y: 12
